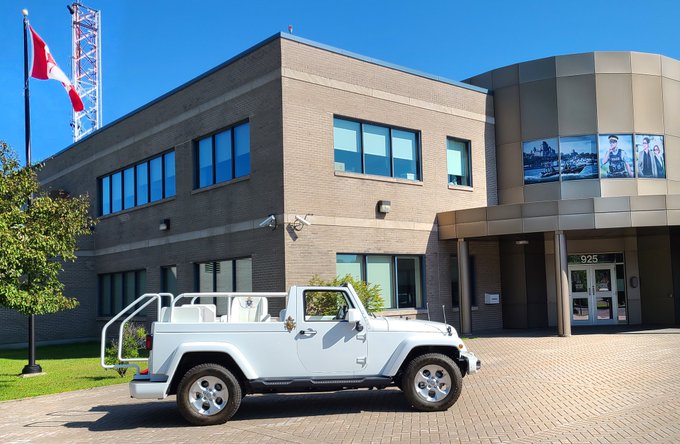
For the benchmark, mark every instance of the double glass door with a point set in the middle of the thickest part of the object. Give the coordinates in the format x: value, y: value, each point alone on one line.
x: 593, y: 294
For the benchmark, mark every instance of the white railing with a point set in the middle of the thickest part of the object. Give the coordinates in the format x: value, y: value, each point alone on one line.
x: 157, y: 297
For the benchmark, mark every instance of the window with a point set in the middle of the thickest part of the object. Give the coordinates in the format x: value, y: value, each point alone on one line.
x: 458, y: 162
x: 325, y: 306
x: 223, y: 156
x: 375, y: 149
x: 168, y: 282
x: 118, y: 290
x: 399, y: 277
x: 148, y: 181
x: 224, y: 276
x: 129, y: 188
x: 116, y: 193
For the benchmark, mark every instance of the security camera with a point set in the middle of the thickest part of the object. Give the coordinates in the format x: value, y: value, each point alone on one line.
x: 302, y: 220
x: 269, y: 222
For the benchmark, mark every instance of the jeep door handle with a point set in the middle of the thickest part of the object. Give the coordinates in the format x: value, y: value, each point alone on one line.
x: 308, y: 332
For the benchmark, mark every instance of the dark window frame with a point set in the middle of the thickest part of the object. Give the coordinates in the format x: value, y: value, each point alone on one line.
x: 395, y: 284
x: 390, y: 128
x: 112, y: 309
x: 468, y: 146
x: 232, y: 135
x: 134, y: 166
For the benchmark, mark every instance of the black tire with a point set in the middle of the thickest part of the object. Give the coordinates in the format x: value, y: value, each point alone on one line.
x: 432, y: 382
x: 208, y: 394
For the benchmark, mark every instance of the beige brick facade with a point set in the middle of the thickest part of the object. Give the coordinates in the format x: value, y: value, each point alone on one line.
x: 288, y: 90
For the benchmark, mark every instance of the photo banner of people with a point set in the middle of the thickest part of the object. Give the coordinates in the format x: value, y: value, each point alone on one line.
x: 616, y: 156
x: 650, y: 156
x: 578, y: 157
x: 540, y: 161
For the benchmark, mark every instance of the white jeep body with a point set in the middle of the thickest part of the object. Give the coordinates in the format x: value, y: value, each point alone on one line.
x: 302, y: 349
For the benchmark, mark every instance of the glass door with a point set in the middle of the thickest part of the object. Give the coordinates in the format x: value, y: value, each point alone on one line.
x: 579, y: 291
x: 593, y: 294
x: 604, y: 294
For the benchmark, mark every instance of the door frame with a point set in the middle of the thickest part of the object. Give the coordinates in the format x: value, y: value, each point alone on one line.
x: 593, y: 293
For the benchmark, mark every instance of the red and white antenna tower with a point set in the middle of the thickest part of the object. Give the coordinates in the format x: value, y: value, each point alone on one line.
x: 86, y: 68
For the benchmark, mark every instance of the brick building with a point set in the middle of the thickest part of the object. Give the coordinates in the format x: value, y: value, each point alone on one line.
x: 417, y: 183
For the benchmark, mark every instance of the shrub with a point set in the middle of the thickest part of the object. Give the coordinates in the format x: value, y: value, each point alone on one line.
x: 134, y: 337
x: 369, y: 294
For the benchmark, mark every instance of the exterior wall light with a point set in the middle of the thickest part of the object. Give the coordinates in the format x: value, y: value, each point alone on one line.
x: 384, y: 206
x: 164, y: 225
x: 522, y: 242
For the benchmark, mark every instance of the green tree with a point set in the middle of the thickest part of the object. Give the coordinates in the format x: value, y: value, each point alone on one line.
x: 369, y: 294
x: 35, y: 239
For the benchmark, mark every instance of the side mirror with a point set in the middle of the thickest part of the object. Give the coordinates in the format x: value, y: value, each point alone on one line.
x: 354, y: 315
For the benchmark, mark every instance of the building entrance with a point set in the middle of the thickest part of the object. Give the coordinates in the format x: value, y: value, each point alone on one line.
x: 594, y: 293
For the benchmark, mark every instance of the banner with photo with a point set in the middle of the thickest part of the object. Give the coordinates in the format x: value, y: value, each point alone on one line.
x: 578, y: 157
x: 650, y: 156
x: 540, y: 161
x: 616, y: 156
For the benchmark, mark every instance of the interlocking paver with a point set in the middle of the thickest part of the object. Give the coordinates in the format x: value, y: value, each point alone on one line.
x: 610, y: 386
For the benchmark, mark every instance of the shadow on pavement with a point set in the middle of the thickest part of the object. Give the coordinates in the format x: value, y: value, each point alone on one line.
x: 164, y: 414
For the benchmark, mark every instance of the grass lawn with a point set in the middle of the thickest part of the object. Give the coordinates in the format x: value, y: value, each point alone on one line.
x: 68, y: 367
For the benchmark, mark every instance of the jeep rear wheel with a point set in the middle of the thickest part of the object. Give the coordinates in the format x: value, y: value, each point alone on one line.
x: 208, y: 394
x: 432, y: 382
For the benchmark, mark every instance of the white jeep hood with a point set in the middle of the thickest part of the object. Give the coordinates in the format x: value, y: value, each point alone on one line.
x: 402, y: 325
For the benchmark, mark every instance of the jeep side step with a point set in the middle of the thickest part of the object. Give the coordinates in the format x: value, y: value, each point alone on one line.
x: 317, y: 384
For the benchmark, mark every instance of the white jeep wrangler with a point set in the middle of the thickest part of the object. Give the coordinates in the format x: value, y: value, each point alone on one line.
x: 324, y: 340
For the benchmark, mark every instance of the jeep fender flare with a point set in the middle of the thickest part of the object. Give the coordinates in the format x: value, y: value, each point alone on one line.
x: 213, y: 347
x: 404, y: 348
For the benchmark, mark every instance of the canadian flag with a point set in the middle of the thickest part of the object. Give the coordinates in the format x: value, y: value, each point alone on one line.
x: 44, y: 68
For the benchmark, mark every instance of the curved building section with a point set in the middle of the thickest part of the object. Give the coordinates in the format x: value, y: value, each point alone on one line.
x: 588, y: 174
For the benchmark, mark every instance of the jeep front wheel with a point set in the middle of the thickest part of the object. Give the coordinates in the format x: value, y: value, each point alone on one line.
x: 208, y: 394
x: 432, y: 382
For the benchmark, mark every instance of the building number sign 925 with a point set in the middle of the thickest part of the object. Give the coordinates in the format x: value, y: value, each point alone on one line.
x: 588, y: 258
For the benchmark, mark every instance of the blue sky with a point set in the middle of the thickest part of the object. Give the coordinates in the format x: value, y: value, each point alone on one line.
x: 149, y: 47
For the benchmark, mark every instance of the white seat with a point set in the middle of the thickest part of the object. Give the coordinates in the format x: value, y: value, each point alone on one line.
x: 187, y: 314
x: 282, y: 315
x: 248, y: 309
x: 209, y: 312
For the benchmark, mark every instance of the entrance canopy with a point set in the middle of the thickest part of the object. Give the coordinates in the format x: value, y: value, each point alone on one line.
x: 561, y: 215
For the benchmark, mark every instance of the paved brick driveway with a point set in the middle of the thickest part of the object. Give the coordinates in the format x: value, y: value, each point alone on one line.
x: 608, y: 386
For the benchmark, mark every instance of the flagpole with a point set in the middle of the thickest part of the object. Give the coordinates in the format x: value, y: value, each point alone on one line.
x: 31, y: 367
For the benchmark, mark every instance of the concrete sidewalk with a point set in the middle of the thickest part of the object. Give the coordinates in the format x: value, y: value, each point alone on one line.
x: 605, y: 385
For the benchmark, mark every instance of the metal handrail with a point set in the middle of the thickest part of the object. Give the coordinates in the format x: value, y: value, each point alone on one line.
x: 158, y: 297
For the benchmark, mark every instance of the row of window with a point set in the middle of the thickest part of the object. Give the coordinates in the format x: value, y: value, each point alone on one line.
x: 592, y: 156
x: 139, y: 184
x: 369, y: 148
x: 118, y: 290
x: 359, y: 147
x: 219, y: 158
x: 400, y: 279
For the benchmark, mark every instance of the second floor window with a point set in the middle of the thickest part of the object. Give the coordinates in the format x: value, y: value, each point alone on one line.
x: 139, y: 184
x: 223, y: 156
x: 458, y: 162
x: 374, y: 149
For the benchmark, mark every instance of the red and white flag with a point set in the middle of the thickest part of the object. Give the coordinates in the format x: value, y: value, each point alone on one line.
x: 44, y: 68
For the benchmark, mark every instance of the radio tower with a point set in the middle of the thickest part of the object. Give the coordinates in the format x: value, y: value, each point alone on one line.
x: 86, y: 68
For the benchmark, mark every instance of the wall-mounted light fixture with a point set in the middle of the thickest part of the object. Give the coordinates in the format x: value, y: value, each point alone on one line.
x: 522, y: 242
x: 384, y: 206
x: 164, y: 225
x: 300, y: 222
